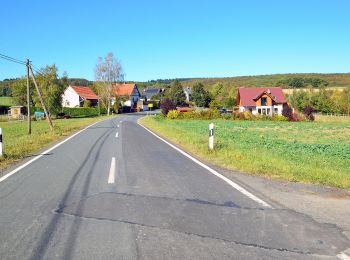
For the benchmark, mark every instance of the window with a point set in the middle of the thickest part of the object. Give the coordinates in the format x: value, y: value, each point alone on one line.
x: 259, y: 110
x: 264, y: 111
x: 268, y: 111
x: 264, y: 101
x: 276, y: 110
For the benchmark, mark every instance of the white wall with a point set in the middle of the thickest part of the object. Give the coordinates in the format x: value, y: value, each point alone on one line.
x: 70, y: 98
x: 255, y: 109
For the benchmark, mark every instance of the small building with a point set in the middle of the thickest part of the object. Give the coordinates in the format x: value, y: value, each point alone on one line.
x: 16, y: 112
x: 264, y: 101
x: 74, y: 96
x: 129, y: 93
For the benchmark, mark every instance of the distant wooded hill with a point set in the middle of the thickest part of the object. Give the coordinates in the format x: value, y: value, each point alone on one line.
x: 276, y: 80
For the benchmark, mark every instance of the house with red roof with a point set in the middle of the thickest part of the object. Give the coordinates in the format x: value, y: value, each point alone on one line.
x: 129, y: 93
x: 264, y: 101
x: 74, y: 96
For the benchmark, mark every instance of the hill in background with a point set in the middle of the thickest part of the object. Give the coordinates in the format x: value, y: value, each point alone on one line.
x: 339, y: 80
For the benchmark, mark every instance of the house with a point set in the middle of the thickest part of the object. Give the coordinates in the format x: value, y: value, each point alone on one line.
x: 74, y: 96
x: 128, y: 92
x: 265, y: 101
x: 148, y: 93
x: 188, y: 93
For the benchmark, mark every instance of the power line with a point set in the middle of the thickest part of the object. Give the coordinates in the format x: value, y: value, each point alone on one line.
x: 5, y: 57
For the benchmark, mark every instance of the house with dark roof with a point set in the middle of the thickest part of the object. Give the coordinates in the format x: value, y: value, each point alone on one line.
x: 129, y: 93
x: 264, y: 101
x: 74, y: 96
x: 148, y: 93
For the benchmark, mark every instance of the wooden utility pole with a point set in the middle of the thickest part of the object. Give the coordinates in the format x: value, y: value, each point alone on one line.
x: 28, y: 101
x: 48, y: 118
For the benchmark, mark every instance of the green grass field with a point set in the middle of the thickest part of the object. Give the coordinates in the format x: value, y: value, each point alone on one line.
x: 312, y: 152
x: 7, y: 101
x: 17, y: 144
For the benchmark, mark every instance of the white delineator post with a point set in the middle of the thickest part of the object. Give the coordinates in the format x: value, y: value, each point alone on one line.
x: 211, y: 136
x: 1, y: 153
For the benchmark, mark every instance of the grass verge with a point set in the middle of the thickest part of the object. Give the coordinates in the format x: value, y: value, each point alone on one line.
x: 18, y: 144
x: 310, y: 152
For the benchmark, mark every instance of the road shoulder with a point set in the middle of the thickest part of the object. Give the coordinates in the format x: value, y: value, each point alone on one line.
x: 323, y: 204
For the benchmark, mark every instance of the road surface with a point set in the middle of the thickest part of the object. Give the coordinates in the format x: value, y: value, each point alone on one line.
x: 115, y: 191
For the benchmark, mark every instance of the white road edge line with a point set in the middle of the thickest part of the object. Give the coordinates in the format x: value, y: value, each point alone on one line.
x: 227, y: 180
x: 343, y: 256
x: 111, y: 176
x: 116, y: 135
x: 44, y: 152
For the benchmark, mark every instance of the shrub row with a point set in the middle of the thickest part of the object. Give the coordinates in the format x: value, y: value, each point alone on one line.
x: 215, y: 114
x: 83, y: 111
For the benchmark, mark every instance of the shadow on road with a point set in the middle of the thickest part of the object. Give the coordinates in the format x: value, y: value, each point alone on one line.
x: 50, y: 231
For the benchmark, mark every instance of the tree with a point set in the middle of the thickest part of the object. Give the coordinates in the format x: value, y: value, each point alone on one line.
x: 107, y: 71
x: 166, y: 105
x: 176, y: 94
x: 52, y: 89
x: 345, y: 101
x: 287, y: 112
x: 296, y: 83
x: 200, y: 96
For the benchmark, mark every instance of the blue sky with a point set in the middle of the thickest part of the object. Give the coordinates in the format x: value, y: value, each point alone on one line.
x: 176, y: 39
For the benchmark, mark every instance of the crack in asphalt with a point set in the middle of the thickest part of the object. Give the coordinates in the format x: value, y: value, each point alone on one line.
x: 192, y: 234
x: 229, y: 204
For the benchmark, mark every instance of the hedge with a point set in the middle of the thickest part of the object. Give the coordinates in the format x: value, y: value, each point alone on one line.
x: 83, y: 111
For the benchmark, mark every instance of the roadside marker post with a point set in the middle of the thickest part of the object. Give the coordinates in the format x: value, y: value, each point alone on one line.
x: 1, y: 153
x: 211, y: 136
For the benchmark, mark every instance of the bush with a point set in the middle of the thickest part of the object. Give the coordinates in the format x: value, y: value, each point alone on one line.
x: 82, y: 111
x: 278, y: 118
x: 173, y: 114
x: 87, y: 103
x: 247, y: 115
x: 116, y: 107
x: 209, y: 114
x: 288, y: 112
x: 190, y: 115
x: 309, y: 113
x: 166, y: 105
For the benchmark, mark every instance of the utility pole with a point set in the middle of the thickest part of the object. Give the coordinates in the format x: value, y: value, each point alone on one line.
x: 48, y: 118
x: 28, y: 101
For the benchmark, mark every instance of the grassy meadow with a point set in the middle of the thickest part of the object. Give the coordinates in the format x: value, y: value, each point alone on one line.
x: 311, y: 152
x: 7, y: 101
x: 18, y: 144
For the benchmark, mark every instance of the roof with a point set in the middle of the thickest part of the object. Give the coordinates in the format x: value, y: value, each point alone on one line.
x: 150, y: 92
x: 85, y: 92
x: 247, y: 96
x: 123, y: 89
x: 184, y: 109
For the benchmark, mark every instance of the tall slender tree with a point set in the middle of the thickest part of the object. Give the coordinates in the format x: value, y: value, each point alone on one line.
x: 108, y: 70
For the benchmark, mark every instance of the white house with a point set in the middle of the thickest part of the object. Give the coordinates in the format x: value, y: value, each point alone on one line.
x: 129, y: 92
x: 265, y: 101
x: 74, y: 96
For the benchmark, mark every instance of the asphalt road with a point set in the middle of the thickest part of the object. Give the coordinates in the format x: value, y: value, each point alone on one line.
x: 115, y: 191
